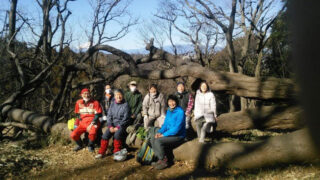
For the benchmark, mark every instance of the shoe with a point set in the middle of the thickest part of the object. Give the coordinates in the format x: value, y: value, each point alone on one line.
x: 201, y: 141
x: 155, y: 163
x: 162, y: 164
x: 77, y: 148
x: 98, y: 156
x: 91, y: 149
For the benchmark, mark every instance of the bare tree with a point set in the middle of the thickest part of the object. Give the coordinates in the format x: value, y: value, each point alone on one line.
x: 154, y: 29
x: 226, y: 28
x: 190, y: 25
x: 256, y: 19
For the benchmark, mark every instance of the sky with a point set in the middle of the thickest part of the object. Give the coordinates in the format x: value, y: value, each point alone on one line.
x: 80, y: 20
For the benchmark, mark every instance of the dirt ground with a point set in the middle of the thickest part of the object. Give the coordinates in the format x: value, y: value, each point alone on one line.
x: 58, y: 161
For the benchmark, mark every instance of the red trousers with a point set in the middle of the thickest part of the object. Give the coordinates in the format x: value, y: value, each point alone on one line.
x: 82, y: 128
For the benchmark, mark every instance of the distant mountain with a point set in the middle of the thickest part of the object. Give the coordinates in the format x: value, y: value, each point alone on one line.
x: 182, y: 49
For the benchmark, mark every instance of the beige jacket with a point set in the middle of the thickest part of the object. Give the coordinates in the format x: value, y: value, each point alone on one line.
x: 154, y: 107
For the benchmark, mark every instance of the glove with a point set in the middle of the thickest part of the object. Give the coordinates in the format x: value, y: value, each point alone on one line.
x: 104, y: 118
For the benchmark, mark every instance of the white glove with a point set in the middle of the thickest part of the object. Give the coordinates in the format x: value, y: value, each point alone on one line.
x: 104, y: 118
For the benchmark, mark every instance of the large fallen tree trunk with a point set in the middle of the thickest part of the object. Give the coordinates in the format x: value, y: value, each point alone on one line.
x: 264, y: 118
x: 38, y: 121
x: 288, y: 148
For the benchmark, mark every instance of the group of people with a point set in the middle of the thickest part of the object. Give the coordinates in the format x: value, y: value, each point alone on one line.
x: 117, y: 110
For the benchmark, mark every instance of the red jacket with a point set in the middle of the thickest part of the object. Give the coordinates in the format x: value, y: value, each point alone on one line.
x: 87, y: 110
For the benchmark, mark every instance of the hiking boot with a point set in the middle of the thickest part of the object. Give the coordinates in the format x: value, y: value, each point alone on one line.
x: 155, y: 163
x: 91, y: 149
x: 79, y: 146
x: 161, y: 164
x: 91, y: 146
x: 98, y: 156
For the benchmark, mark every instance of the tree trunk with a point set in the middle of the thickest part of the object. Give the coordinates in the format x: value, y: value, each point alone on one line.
x: 284, y: 149
x: 264, y: 118
x: 258, y: 66
x: 38, y: 121
x: 232, y: 106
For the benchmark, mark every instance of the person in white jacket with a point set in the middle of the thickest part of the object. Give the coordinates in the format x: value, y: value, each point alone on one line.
x: 205, y: 113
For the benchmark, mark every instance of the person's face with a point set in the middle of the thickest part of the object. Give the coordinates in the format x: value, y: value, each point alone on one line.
x: 180, y: 88
x: 85, y: 95
x: 107, y: 87
x: 132, y: 86
x: 118, y: 96
x: 153, y: 90
x: 203, y: 87
x: 172, y: 104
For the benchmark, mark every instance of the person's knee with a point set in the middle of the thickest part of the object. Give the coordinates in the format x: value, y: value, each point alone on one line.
x: 92, y: 137
x: 74, y: 136
x: 118, y: 135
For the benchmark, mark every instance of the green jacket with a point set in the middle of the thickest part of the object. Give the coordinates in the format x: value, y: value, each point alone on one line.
x: 134, y: 100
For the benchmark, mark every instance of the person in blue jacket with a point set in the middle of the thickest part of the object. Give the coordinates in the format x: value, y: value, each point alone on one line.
x: 171, y: 134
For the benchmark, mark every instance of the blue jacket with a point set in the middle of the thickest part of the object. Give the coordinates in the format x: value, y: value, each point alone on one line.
x: 118, y: 114
x: 174, y: 123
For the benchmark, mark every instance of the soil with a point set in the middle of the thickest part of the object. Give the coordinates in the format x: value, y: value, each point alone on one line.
x: 21, y: 160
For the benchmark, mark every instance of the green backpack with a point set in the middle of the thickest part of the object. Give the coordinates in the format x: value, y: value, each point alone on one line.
x: 145, y: 155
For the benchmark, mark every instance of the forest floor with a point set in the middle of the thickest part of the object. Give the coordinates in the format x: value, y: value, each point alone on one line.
x: 42, y: 160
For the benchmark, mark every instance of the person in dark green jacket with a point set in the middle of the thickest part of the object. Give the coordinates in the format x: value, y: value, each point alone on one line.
x: 134, y: 99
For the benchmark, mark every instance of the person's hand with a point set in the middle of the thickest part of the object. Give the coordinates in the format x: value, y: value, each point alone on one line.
x: 94, y: 124
x: 158, y: 135
x: 115, y: 129
x: 111, y: 129
x: 216, y: 118
x: 104, y: 118
x: 133, y: 116
x: 188, y: 114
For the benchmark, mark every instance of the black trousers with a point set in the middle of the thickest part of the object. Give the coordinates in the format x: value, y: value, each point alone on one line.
x: 163, y: 146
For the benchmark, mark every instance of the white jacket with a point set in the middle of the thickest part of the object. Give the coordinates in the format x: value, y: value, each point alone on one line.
x: 205, y: 106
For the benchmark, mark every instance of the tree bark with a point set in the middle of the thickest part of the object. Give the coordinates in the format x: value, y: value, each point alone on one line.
x: 284, y: 149
x: 38, y: 121
x: 265, y: 118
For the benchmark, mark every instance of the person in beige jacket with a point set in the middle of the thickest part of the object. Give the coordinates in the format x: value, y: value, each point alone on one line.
x: 153, y: 107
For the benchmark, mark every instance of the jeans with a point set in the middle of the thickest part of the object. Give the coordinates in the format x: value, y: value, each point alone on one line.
x: 119, y: 135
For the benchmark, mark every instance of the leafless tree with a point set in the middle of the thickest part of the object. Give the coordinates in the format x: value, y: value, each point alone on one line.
x: 194, y: 28
x: 256, y: 18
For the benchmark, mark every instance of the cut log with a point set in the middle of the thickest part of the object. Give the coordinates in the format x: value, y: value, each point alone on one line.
x: 288, y: 148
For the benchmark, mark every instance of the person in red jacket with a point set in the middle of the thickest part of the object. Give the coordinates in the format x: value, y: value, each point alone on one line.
x: 88, y: 112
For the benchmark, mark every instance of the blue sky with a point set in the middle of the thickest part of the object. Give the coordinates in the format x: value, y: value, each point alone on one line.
x: 81, y: 14
x: 138, y: 8
x: 79, y: 22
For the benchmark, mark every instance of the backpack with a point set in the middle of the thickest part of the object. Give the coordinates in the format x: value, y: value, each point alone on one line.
x: 71, y: 123
x: 145, y: 155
